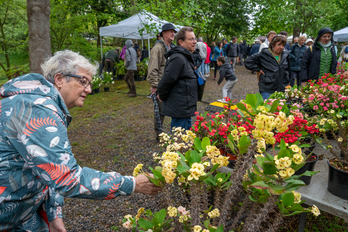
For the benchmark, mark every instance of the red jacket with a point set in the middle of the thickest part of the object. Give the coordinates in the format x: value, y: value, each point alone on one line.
x: 207, y: 59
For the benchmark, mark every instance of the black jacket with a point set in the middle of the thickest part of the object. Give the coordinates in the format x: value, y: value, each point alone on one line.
x: 197, y: 60
x: 277, y: 76
x: 227, y: 73
x: 232, y: 50
x: 241, y: 48
x: 144, y: 54
x: 112, y: 55
x: 178, y: 88
x: 296, y: 55
x: 310, y: 66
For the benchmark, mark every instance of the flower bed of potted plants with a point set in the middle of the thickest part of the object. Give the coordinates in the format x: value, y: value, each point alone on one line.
x: 97, y: 83
x: 260, y: 184
x: 121, y: 70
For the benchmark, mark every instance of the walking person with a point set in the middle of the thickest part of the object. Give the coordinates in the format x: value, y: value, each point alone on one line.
x: 131, y: 65
x: 241, y: 52
x: 217, y: 52
x: 226, y: 72
x: 296, y: 54
x: 274, y: 67
x: 207, y: 62
x: 320, y: 58
x: 232, y: 52
x: 178, y: 88
x: 156, y: 65
x: 212, y: 48
x: 203, y: 53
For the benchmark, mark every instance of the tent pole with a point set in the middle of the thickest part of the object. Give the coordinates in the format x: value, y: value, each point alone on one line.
x: 101, y: 47
x: 142, y: 43
x: 148, y: 44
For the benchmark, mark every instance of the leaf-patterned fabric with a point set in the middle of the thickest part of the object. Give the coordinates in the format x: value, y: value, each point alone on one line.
x: 37, y: 167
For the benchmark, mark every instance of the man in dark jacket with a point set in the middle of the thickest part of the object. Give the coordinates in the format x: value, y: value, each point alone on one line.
x: 274, y: 67
x: 111, y: 57
x: 232, y: 51
x: 255, y: 49
x: 178, y: 88
x: 320, y: 58
x: 241, y: 52
x: 226, y: 72
x: 296, y: 54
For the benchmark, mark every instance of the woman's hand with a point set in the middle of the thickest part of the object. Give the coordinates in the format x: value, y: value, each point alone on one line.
x: 143, y: 185
x: 57, y: 225
x: 261, y: 72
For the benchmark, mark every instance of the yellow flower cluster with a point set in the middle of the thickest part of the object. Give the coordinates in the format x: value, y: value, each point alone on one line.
x: 181, y: 139
x: 197, y: 170
x: 214, y: 213
x: 263, y: 109
x: 128, y: 223
x: 215, y: 156
x: 315, y: 211
x: 297, y: 157
x: 169, y: 163
x: 261, y: 144
x: 283, y: 165
x: 137, y: 170
x: 140, y: 212
x: 197, y: 228
x: 297, y: 197
x: 183, y: 218
x: 172, y: 211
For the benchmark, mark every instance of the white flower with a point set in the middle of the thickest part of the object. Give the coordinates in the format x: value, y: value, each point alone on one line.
x: 22, y: 138
x: 65, y: 157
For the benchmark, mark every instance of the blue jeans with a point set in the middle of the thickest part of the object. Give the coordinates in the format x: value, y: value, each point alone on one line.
x: 295, y: 75
x: 201, y: 68
x: 265, y: 95
x: 207, y: 68
x: 184, y: 123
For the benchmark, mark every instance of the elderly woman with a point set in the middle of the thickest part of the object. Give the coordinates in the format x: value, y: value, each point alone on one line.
x: 296, y: 54
x: 37, y: 166
x: 320, y: 58
x: 274, y: 67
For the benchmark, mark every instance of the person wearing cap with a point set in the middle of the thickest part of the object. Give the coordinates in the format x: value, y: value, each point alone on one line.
x: 320, y: 58
x: 309, y: 42
x: 178, y: 88
x: 156, y: 65
x: 202, y: 52
x: 232, y: 51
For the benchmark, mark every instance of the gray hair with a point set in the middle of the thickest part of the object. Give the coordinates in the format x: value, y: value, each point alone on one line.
x: 66, y: 62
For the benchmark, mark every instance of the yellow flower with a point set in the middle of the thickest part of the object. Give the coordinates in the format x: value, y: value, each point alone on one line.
x: 295, y: 148
x: 280, y: 166
x: 297, y: 158
x: 137, y: 170
x: 297, y: 197
x: 197, y: 228
x: 287, y: 163
x: 340, y: 139
x: 205, y: 230
x: 290, y: 172
x: 172, y: 211
x: 315, y: 210
x: 140, y: 211
x: 220, y: 180
x: 207, y: 164
x: 282, y: 173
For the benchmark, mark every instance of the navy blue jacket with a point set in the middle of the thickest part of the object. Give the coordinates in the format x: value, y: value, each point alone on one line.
x: 254, y: 49
x: 296, y: 55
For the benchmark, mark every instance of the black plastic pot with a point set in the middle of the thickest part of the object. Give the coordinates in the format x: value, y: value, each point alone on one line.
x: 97, y: 90
x: 120, y: 77
x: 309, y: 166
x: 106, y: 89
x: 92, y: 93
x: 338, y: 182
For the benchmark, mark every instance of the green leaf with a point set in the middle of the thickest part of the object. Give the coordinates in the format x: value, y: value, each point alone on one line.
x: 295, y: 207
x: 160, y: 215
x: 145, y: 224
x: 197, y: 142
x: 282, y: 144
x: 252, y: 101
x: 187, y: 156
x: 259, y: 99
x: 252, y: 198
x: 195, y: 158
x: 284, y: 153
x: 309, y: 173
x: 288, y: 199
x: 206, y: 223
x: 275, y: 105
x: 276, y: 189
x: 220, y: 229
x: 230, y: 143
x: 240, y: 113
x: 181, y: 169
x: 205, y: 142
x: 154, y: 181
x: 260, y: 185
x: 241, y: 106
x: 244, y: 144
x: 214, y: 167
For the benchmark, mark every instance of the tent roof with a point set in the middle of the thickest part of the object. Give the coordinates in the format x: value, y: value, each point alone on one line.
x: 341, y: 35
x: 129, y: 28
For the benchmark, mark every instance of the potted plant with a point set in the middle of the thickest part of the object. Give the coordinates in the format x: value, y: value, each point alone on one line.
x: 107, y: 81
x: 141, y: 71
x: 96, y: 82
x: 121, y: 70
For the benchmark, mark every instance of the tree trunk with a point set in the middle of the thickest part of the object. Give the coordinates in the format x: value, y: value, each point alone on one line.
x: 296, y: 33
x: 38, y: 12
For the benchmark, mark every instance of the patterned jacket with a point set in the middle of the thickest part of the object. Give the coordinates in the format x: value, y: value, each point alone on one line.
x: 37, y: 167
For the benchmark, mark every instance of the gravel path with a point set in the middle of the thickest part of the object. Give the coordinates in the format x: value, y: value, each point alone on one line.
x: 118, y: 144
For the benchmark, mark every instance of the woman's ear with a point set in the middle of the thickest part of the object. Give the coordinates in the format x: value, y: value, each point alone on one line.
x: 58, y: 79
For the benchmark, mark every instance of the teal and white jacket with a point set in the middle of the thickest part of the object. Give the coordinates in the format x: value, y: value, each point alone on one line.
x: 37, y: 167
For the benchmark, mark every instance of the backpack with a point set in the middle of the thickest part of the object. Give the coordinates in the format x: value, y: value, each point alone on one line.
x: 138, y: 52
x: 346, y: 49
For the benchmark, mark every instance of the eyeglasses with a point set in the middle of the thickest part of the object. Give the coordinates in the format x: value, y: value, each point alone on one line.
x: 83, y: 80
x: 192, y: 40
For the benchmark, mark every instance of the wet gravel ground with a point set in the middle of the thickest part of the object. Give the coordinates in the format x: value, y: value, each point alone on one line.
x: 119, y: 144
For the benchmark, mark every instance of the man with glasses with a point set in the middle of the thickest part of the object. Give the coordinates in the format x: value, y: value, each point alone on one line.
x: 156, y: 65
x: 178, y: 88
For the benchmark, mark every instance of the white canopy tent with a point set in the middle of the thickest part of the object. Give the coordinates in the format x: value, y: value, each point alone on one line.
x: 135, y: 27
x: 341, y: 35
x: 289, y: 39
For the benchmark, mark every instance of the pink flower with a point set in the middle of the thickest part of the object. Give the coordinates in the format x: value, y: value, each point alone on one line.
x: 325, y: 108
x: 315, y: 107
x: 322, y: 103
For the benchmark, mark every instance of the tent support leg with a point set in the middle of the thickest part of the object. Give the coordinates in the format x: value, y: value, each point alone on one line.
x: 101, y: 47
x: 148, y: 44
